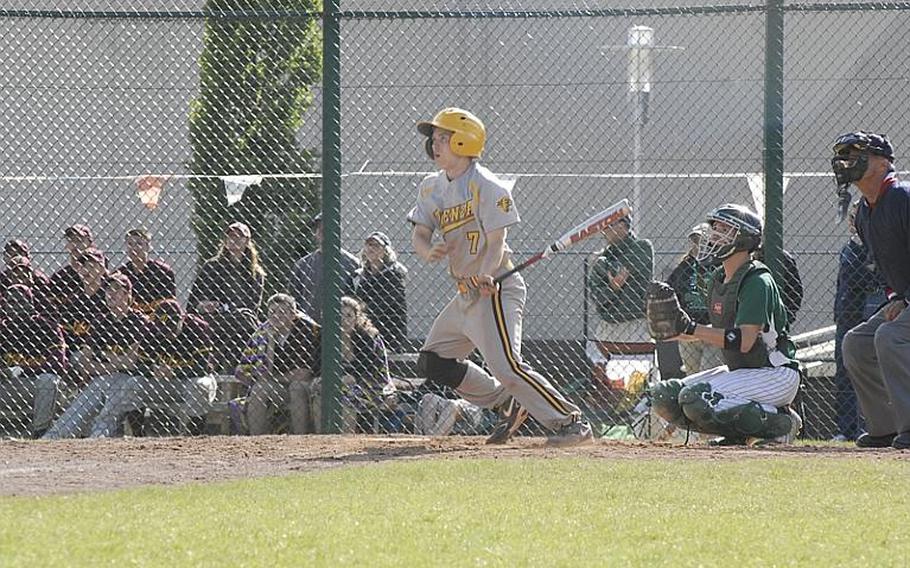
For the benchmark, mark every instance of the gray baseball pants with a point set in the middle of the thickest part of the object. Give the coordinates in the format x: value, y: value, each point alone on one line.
x: 877, y: 356
x: 493, y: 325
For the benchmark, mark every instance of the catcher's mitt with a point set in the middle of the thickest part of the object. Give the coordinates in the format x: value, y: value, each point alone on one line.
x: 666, y: 318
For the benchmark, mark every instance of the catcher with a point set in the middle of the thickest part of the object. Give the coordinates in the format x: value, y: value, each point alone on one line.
x: 747, y: 400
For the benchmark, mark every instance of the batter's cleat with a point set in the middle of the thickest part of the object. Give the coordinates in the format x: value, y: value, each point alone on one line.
x: 511, y: 416
x: 575, y: 433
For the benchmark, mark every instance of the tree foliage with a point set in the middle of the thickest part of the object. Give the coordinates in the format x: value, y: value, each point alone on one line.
x: 256, y: 84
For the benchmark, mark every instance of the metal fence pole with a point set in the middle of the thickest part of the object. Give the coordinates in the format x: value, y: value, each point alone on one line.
x: 774, y: 135
x: 331, y: 219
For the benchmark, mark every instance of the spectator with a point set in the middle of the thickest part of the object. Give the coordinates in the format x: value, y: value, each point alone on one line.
x: 440, y: 416
x: 153, y: 280
x: 875, y: 353
x: 85, y: 304
x: 19, y: 270
x: 176, y: 366
x: 690, y: 281
x: 379, y: 285
x: 367, y: 392
x: 110, y: 359
x: 66, y: 284
x: 305, y: 281
x: 13, y: 253
x: 227, y: 294
x: 791, y: 286
x: 857, y: 280
x: 34, y: 359
x: 617, y: 283
x: 279, y: 362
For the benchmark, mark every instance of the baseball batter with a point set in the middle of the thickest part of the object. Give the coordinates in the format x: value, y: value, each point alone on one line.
x: 472, y: 210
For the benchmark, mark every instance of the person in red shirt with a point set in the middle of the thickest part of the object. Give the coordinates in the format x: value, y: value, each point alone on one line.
x: 176, y: 365
x: 65, y: 282
x: 153, y: 280
x: 19, y: 270
x: 33, y: 359
x: 110, y: 357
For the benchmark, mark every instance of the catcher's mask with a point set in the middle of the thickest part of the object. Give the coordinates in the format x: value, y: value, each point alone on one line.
x: 468, y: 132
x: 732, y: 228
x: 851, y: 160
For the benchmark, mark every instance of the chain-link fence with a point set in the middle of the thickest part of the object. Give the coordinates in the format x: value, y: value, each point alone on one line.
x: 185, y: 143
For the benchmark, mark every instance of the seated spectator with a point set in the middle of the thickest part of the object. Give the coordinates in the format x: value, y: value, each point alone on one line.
x: 379, y: 284
x: 19, y: 270
x: 176, y: 366
x: 85, y: 302
x: 305, y: 282
x: 690, y: 281
x: 34, y: 358
x: 153, y: 280
x: 279, y: 363
x: 440, y: 416
x: 367, y: 389
x: 110, y: 359
x: 66, y: 284
x: 791, y: 284
x: 227, y: 294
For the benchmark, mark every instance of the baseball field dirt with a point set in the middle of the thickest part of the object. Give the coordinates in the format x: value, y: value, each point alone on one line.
x: 74, y: 466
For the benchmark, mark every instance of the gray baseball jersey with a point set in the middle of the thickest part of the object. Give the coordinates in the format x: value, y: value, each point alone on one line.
x: 463, y: 211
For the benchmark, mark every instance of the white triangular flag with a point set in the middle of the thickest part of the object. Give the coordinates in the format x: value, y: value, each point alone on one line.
x: 756, y: 183
x: 234, y: 186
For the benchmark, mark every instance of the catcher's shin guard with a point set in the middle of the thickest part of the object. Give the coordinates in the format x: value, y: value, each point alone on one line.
x: 665, y: 401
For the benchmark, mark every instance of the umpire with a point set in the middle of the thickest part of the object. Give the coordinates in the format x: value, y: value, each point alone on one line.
x: 876, y: 353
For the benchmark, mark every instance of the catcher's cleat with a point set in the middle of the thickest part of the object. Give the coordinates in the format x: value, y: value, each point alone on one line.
x: 575, y: 433
x: 511, y: 416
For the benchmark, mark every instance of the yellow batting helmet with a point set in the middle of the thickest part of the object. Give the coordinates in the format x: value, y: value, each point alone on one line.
x: 468, y: 132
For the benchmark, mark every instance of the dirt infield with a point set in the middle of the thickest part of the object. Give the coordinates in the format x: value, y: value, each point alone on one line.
x: 39, y: 468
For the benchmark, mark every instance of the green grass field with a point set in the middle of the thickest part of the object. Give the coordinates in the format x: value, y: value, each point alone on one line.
x: 811, y: 511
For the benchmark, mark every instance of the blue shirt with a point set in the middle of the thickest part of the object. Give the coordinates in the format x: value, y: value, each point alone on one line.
x: 885, y: 229
x: 857, y: 279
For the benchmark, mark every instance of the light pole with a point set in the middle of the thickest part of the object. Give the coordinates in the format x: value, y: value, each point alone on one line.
x: 640, y: 46
x: 640, y: 41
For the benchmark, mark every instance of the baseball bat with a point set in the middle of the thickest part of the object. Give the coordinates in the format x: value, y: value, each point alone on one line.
x: 593, y: 226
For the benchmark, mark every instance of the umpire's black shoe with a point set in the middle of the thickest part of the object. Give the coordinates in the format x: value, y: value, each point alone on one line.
x: 511, y: 416
x: 867, y: 440
x: 901, y: 441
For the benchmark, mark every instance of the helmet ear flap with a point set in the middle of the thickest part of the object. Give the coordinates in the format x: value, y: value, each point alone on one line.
x: 428, y: 146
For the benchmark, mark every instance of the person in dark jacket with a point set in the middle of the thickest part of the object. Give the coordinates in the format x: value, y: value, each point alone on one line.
x: 227, y: 294
x: 875, y: 351
x: 857, y: 281
x: 690, y: 280
x: 379, y: 284
x: 617, y: 284
x: 305, y: 280
x: 367, y: 391
x: 791, y: 284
